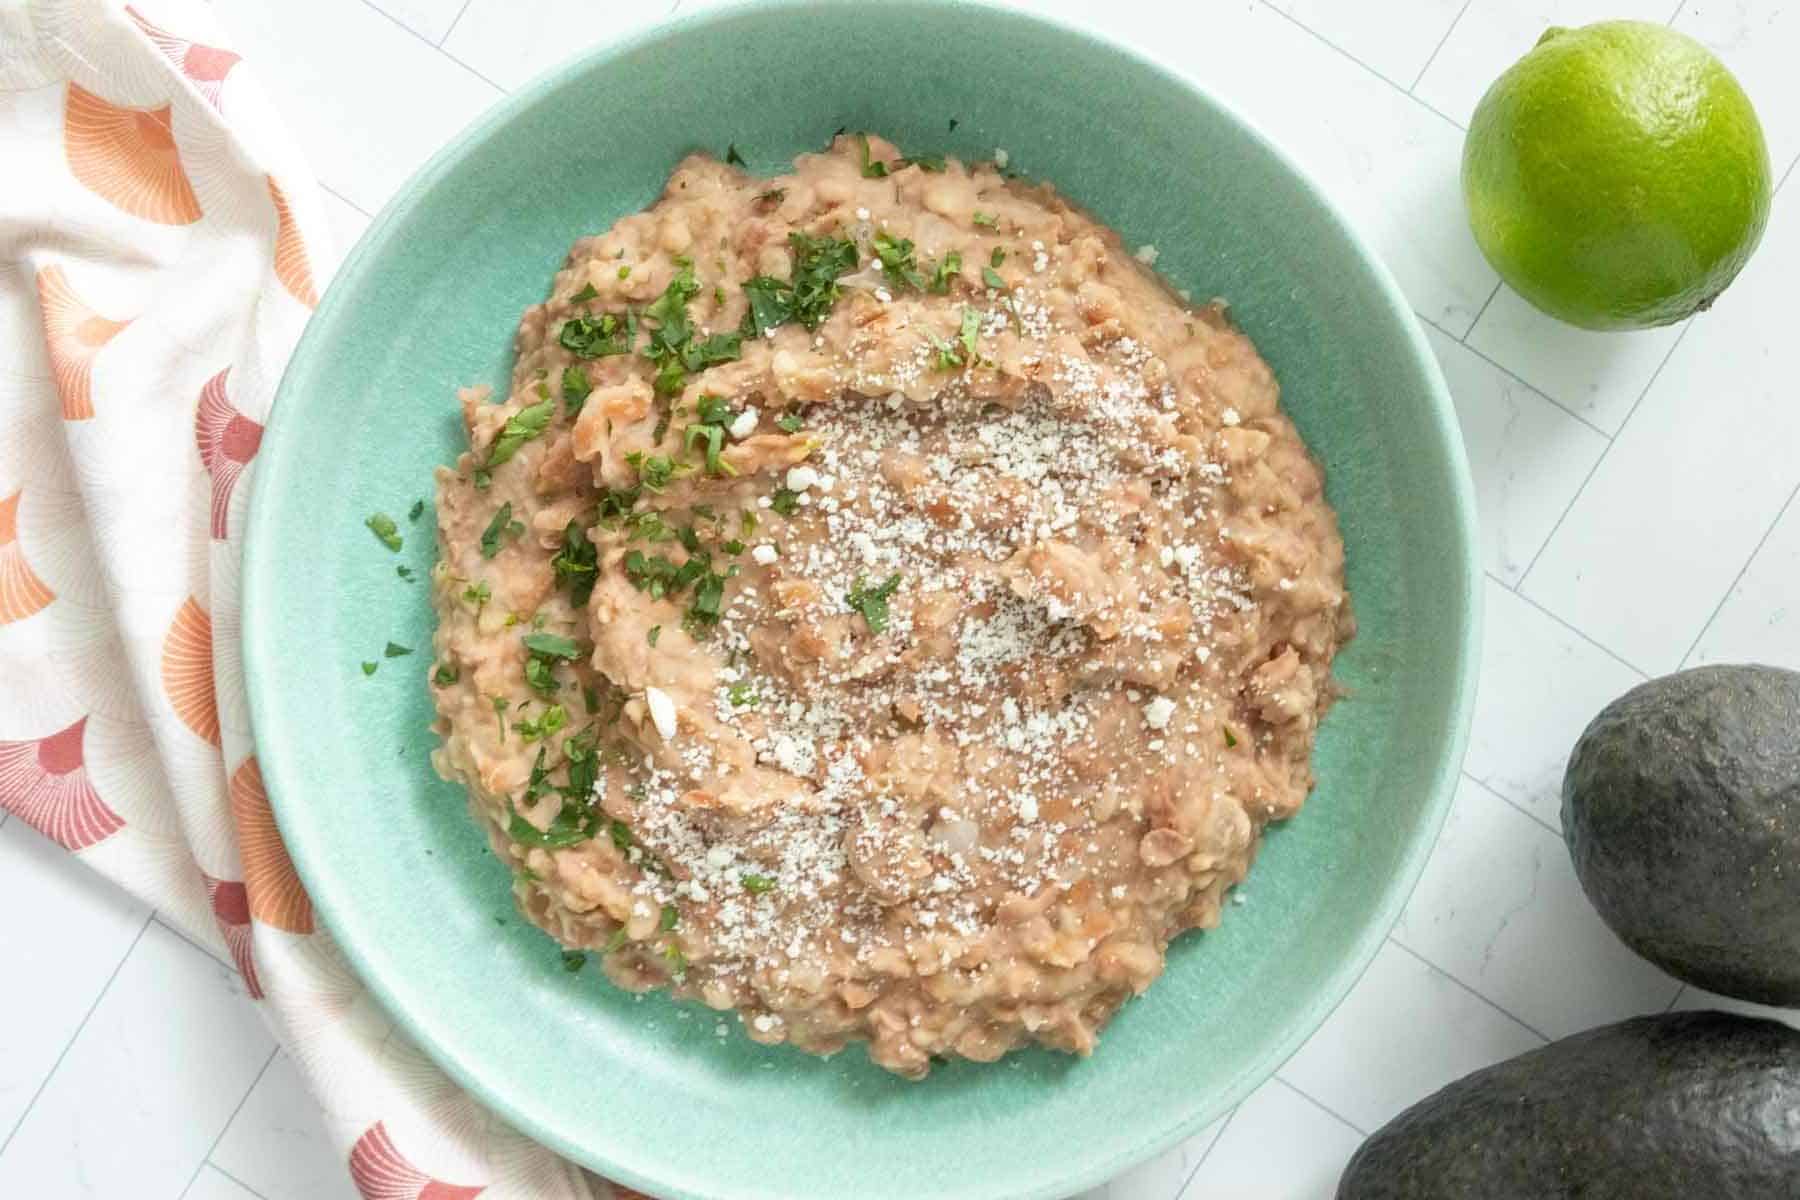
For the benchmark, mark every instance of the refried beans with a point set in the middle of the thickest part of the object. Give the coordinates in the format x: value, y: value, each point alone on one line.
x: 881, y: 607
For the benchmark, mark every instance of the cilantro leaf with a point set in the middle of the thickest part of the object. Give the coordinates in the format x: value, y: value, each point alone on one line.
x: 384, y: 529
x: 971, y: 329
x: 502, y: 525
x: 788, y: 423
x: 520, y: 428
x: 870, y: 170
x: 785, y: 501
x: 897, y: 263
x: 771, y: 303
x: 575, y: 388
x: 948, y: 267
x: 552, y: 645
x: 818, y: 264
x: 416, y: 511
x: 587, y: 292
x: 577, y: 563
x: 394, y: 650
x: 446, y: 674
x: 872, y: 603
x: 987, y: 220
x: 733, y: 157
x: 596, y: 337
x: 368, y: 668
x: 573, y: 960
x: 756, y: 884
x: 992, y: 278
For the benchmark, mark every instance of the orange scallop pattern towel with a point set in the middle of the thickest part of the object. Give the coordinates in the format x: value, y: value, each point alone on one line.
x: 74, y: 334
x: 127, y: 157
x: 164, y: 326
x: 187, y: 671
x: 276, y: 895
x: 22, y: 593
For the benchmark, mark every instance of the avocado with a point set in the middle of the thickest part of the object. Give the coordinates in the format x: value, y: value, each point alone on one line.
x: 1681, y: 808
x: 1683, y: 1106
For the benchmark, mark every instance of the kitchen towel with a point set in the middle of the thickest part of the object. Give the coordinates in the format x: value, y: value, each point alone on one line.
x: 162, y: 246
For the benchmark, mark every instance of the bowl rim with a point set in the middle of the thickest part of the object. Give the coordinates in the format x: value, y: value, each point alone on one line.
x: 259, y: 553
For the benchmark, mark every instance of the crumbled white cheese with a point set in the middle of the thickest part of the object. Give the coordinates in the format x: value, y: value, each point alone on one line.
x: 801, y: 477
x: 862, y: 214
x: 744, y: 424
x: 764, y: 554
x: 1028, y: 808
x: 883, y: 295
x: 764, y: 1023
x: 1001, y: 157
x: 662, y: 711
x: 1158, y: 712
x: 1230, y: 416
x: 1147, y: 255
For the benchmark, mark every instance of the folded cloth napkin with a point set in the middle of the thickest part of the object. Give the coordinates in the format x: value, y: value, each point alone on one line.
x: 161, y: 247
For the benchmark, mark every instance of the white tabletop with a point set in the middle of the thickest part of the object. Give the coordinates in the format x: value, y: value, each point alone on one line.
x: 1637, y: 515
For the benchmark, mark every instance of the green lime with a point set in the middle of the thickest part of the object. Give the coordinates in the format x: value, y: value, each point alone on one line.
x: 1616, y: 176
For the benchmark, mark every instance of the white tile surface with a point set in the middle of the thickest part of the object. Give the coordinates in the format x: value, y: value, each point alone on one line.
x: 509, y: 42
x: 430, y: 19
x: 140, y: 1097
x: 1660, y: 548
x: 213, y: 1184
x: 1597, y: 376
x: 1760, y: 619
x: 1541, y: 683
x: 277, y: 1144
x: 71, y: 935
x: 1494, y: 34
x: 1527, y: 455
x: 1501, y: 911
x: 1163, y: 1176
x: 1406, y: 1030
x: 367, y: 99
x: 1314, y: 1144
x: 1760, y: 42
x: 1681, y: 501
x: 1395, y: 38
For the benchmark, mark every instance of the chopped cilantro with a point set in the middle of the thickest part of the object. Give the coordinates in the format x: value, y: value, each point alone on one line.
x: 446, y: 674
x: 992, y: 278
x: 384, y: 529
x: 710, y: 438
x: 573, y: 824
x: 872, y: 603
x: 785, y: 501
x: 547, y: 723
x: 590, y: 699
x: 997, y: 257
x: 369, y: 668
x: 500, y: 703
x: 672, y: 346
x: 575, y: 388
x: 654, y: 634
x: 577, y: 563
x: 947, y: 269
x: 482, y: 477
x: 625, y: 272
x: 925, y: 162
x: 818, y: 264
x: 615, y: 503
x: 671, y: 917
x: 897, y: 262
x: 870, y: 170
x: 596, y: 337
x: 1230, y: 739
x: 747, y: 523
x: 573, y: 960
x: 586, y: 293
x: 788, y: 423
x: 734, y: 546
x: 741, y: 695
x: 520, y: 428
x: 416, y: 511
x: 948, y: 356
x: 733, y: 157
x: 656, y: 471
x: 954, y: 122
x: 540, y: 673
x: 971, y: 329
x: 755, y: 884
x: 478, y: 594
x: 395, y: 650
x: 501, y: 526
x: 404, y: 572
x: 989, y: 220
x: 714, y: 410
x: 552, y: 645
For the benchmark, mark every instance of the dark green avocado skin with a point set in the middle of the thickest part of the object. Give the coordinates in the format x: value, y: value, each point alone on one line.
x: 1685, y: 1106
x: 1681, y: 809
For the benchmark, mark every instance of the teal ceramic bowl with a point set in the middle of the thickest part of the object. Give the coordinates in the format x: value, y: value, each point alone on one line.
x: 641, y: 1089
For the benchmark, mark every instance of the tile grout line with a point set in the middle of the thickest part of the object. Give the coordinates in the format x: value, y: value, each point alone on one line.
x: 1489, y: 788
x: 1438, y: 49
x: 206, y: 1159
x: 454, y: 21
x: 1509, y: 373
x: 1679, y: 5
x: 1339, y: 50
x: 1598, y: 462
x: 43, y: 1083
x: 1578, y: 632
x: 1217, y: 1138
x: 1479, y: 313
x: 423, y: 40
x: 323, y: 186
x: 156, y: 916
x: 1319, y: 1104
x: 1493, y: 1004
x: 1679, y: 993
x: 1749, y: 562
x: 227, y: 1174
